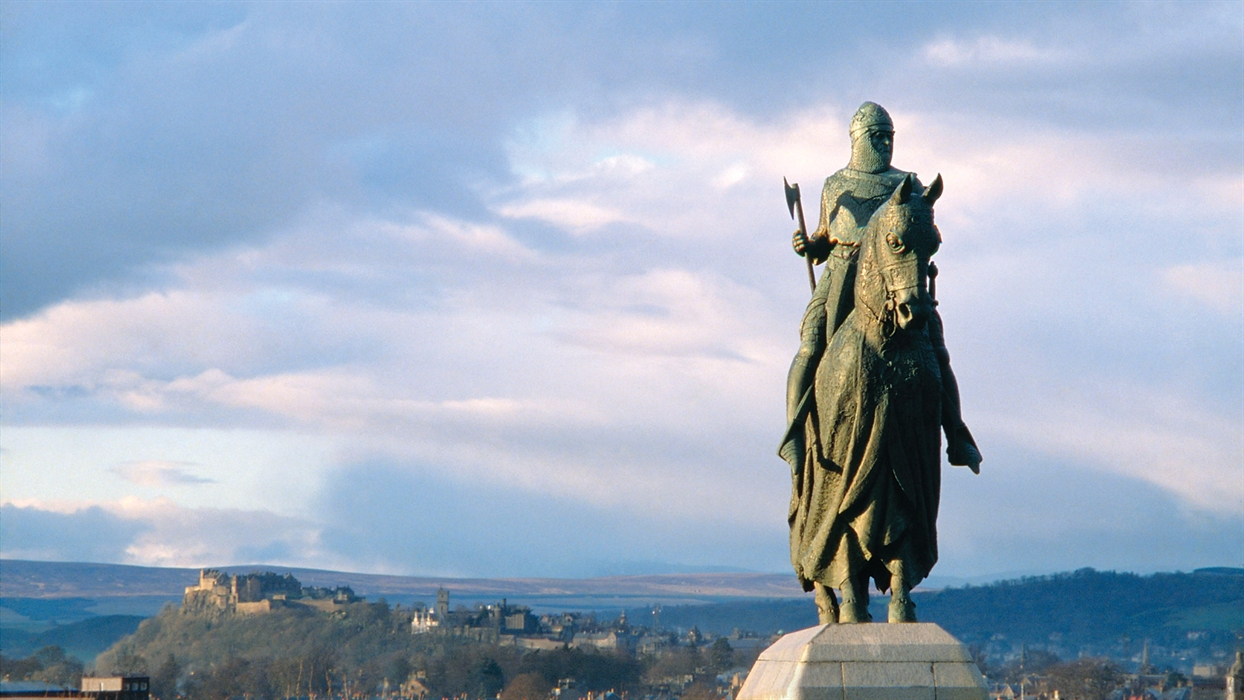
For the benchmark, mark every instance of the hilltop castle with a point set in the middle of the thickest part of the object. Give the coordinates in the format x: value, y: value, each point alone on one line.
x: 219, y: 593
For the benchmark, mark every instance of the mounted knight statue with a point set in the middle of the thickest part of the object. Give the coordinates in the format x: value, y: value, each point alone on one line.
x: 871, y: 390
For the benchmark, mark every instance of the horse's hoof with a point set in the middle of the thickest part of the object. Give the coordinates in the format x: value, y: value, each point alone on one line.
x: 826, y: 605
x: 852, y: 613
x: 902, y: 611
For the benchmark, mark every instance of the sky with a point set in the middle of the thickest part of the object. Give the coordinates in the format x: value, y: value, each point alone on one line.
x: 506, y: 289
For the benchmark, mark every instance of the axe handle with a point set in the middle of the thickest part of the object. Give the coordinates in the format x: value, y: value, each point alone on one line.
x: 803, y: 228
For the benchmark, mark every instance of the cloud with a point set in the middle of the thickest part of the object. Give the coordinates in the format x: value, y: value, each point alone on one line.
x: 1024, y: 513
x: 175, y: 133
x: 157, y: 533
x: 1162, y: 438
x: 87, y: 534
x: 1218, y: 285
x: 515, y: 361
x: 572, y: 282
x: 1032, y: 513
x: 437, y: 526
x: 495, y: 240
x: 988, y: 50
x: 577, y: 216
x: 250, y: 467
x: 196, y: 129
x: 655, y: 167
x: 672, y: 312
x: 177, y: 536
x: 154, y: 472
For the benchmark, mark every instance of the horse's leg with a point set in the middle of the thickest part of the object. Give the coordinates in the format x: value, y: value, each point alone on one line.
x: 855, y: 599
x: 826, y: 604
x: 902, y: 609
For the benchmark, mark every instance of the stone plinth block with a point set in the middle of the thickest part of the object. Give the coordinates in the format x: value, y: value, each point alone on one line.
x: 904, y: 661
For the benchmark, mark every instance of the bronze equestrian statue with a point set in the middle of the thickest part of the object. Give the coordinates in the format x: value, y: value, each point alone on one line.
x: 870, y: 390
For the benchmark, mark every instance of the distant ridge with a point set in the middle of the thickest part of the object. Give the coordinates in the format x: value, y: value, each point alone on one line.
x: 1182, y: 618
x: 37, y: 579
x: 1222, y: 570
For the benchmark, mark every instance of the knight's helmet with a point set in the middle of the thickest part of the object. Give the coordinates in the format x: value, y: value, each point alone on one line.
x: 869, y: 117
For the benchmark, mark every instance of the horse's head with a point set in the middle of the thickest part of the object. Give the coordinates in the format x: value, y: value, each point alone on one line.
x: 893, y: 278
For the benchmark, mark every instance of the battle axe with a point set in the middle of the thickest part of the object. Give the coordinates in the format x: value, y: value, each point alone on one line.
x: 796, y: 206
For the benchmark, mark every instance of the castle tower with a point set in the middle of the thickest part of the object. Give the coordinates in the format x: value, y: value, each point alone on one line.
x: 1235, y: 678
x: 442, y: 604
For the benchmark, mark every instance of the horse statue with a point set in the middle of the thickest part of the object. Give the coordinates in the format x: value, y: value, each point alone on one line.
x: 865, y: 502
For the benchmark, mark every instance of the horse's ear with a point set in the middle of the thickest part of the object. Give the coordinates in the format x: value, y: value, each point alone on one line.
x: 903, y: 193
x: 934, y: 190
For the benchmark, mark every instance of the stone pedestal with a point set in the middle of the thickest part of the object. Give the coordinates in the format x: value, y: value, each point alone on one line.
x: 905, y: 661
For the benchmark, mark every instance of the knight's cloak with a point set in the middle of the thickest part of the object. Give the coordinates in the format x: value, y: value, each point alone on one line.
x: 869, y: 486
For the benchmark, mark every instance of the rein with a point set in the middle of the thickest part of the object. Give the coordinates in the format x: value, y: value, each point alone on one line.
x: 883, y: 318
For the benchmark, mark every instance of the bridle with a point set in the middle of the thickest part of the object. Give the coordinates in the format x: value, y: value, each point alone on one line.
x: 892, y: 283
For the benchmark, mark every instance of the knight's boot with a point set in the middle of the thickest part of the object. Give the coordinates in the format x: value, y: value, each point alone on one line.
x: 854, y: 606
x: 902, y: 609
x: 826, y: 604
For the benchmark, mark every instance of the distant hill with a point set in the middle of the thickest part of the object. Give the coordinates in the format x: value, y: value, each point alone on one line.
x: 43, y: 580
x: 41, y: 600
x: 51, y: 579
x: 84, y: 639
x: 1183, y: 616
x: 65, y: 603
x: 36, y: 596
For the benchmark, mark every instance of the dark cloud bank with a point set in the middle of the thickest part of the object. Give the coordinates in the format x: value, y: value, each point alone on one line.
x: 140, y: 133
x: 385, y: 516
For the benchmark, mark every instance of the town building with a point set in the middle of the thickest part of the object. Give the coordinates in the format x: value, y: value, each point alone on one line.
x: 91, y: 688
